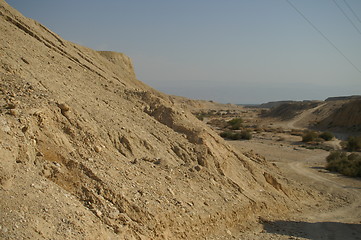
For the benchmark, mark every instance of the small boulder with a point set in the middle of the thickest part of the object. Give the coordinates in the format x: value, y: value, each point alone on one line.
x: 98, y: 149
x: 198, y: 168
x: 64, y: 107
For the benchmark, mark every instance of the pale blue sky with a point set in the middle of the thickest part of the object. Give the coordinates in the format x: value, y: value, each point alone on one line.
x: 239, y: 51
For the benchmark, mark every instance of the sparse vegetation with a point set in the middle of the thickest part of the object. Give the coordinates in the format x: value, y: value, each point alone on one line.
x: 235, y: 123
x: 229, y: 135
x: 309, y: 136
x: 327, y: 136
x: 349, y: 165
x: 246, y: 135
x: 317, y: 146
x: 243, y: 135
x: 353, y: 144
x: 202, y: 114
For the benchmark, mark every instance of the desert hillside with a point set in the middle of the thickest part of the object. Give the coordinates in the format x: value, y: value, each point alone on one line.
x: 288, y: 110
x: 89, y: 152
x: 347, y: 116
x: 342, y: 114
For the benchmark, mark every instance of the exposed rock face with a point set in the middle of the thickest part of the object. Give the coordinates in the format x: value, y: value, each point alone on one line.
x: 89, y: 152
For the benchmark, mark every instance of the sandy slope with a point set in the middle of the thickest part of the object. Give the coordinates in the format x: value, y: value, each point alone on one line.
x: 339, y: 116
x: 302, y: 119
x: 89, y: 152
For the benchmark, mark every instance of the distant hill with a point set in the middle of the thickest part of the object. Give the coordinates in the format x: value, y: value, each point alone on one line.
x: 274, y: 104
x: 288, y: 110
x: 348, y: 115
x: 341, y: 113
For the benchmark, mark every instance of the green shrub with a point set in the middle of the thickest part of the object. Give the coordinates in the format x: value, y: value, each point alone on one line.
x: 349, y: 165
x: 236, y: 136
x: 245, y: 135
x: 336, y: 155
x: 353, y: 144
x: 309, y: 136
x: 231, y: 135
x: 226, y: 134
x: 235, y: 123
x: 327, y: 136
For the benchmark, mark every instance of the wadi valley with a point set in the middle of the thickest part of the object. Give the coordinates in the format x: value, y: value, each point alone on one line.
x: 87, y: 151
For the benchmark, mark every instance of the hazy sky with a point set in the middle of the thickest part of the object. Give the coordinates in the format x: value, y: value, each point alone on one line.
x: 239, y: 51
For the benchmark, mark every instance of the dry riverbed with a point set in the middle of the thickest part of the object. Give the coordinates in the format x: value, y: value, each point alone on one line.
x: 337, y: 218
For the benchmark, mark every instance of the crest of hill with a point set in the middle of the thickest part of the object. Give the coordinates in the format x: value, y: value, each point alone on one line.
x: 353, y: 97
x: 89, y: 152
x: 274, y: 104
x: 120, y: 60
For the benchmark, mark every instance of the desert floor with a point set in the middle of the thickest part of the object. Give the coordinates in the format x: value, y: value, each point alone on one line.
x: 339, y: 217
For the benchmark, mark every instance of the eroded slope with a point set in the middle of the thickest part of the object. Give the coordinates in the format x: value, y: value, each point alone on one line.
x: 89, y: 152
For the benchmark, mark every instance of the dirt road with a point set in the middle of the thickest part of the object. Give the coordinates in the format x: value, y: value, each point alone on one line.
x: 343, y: 222
x: 302, y: 118
x: 338, y: 218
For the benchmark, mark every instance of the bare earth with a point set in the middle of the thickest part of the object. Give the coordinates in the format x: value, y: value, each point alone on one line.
x: 337, y: 218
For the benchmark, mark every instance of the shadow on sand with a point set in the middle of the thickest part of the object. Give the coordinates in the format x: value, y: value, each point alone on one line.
x: 316, y: 230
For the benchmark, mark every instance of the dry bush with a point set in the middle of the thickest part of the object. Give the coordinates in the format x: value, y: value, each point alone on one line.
x: 309, y: 136
x: 327, y: 136
x: 353, y: 144
x: 349, y: 165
